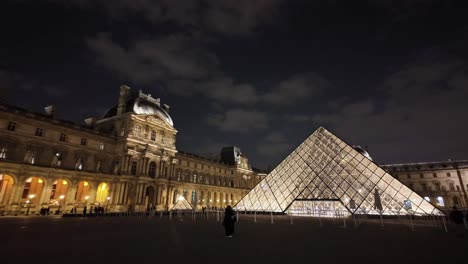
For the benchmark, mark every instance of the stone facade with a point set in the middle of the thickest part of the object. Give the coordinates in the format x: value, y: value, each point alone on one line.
x: 126, y: 160
x: 443, y: 183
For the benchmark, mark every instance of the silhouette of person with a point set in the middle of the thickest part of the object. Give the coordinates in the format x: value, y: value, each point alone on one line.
x: 229, y: 220
x: 84, y: 211
x: 456, y: 216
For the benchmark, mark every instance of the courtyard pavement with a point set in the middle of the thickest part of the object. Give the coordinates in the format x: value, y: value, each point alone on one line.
x: 52, y: 239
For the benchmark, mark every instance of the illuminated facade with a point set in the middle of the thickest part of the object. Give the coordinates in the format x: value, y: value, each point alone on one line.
x: 325, y: 176
x: 443, y: 183
x: 126, y: 160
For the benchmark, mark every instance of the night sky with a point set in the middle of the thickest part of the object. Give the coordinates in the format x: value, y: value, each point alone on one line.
x: 262, y: 75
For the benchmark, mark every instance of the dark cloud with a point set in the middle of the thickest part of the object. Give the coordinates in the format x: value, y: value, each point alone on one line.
x: 417, y: 114
x: 146, y: 61
x: 239, y: 120
x: 229, y: 17
x: 296, y: 88
x: 275, y: 144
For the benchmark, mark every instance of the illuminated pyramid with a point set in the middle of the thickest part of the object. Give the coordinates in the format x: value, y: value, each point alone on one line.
x: 324, y: 175
x: 181, y: 204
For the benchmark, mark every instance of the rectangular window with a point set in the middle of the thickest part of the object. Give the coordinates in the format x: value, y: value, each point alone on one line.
x: 11, y: 126
x: 437, y: 186
x: 424, y: 186
x: 83, y: 141
x: 421, y: 175
x: 452, y: 187
x: 440, y: 200
x: 63, y: 137
x: 101, y: 146
x: 3, y: 152
x: 30, y: 157
x: 434, y: 175
x: 448, y: 174
x: 133, y: 168
x: 408, y: 176
x: 39, y: 132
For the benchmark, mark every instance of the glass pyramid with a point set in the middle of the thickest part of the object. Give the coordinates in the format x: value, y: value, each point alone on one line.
x: 324, y: 175
x: 181, y: 204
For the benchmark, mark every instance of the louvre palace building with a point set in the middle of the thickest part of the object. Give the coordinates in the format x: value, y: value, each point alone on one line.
x: 125, y: 161
x: 128, y: 161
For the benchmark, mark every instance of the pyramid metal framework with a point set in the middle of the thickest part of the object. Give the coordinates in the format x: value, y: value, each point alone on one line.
x: 181, y: 204
x: 324, y: 168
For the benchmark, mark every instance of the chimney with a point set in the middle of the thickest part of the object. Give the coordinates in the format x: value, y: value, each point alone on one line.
x: 166, y: 107
x: 123, y: 97
x: 90, y: 122
x: 49, y: 110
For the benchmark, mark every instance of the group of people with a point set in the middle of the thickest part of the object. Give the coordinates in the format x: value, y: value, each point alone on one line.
x: 96, y: 210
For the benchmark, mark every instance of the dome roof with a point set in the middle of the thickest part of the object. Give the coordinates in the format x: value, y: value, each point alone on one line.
x: 362, y: 151
x: 141, y: 104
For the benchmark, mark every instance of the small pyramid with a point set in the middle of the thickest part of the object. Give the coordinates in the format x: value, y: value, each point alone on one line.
x: 181, y: 204
x: 325, y: 172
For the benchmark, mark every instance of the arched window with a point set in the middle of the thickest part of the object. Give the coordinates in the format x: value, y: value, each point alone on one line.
x: 133, y: 168
x: 194, y: 178
x: 153, y: 135
x: 152, y: 170
x: 194, y: 197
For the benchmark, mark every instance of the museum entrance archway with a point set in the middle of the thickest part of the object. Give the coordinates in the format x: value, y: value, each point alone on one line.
x: 82, y: 193
x: 59, y: 193
x: 102, y: 193
x: 32, y: 191
x: 6, y: 188
x: 318, y: 208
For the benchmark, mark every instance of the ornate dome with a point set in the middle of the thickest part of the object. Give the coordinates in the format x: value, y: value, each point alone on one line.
x: 142, y: 104
x: 362, y: 151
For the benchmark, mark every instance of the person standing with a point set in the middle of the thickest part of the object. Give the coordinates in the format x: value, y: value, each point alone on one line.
x: 84, y: 211
x: 229, y: 220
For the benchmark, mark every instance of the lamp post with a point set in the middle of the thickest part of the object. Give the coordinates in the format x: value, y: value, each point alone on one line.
x: 28, y: 202
x: 60, y: 202
x: 107, y: 205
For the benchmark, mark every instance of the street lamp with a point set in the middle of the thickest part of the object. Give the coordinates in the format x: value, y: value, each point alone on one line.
x: 86, y: 200
x: 60, y: 202
x: 28, y: 202
x: 107, y: 205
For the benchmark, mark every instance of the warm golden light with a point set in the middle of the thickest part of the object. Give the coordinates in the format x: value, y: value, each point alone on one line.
x: 108, y: 198
x: 61, y: 197
x: 85, y: 183
x: 64, y: 182
x: 39, y: 181
x: 86, y: 197
x: 31, y: 196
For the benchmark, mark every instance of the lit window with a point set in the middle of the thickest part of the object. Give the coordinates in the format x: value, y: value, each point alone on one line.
x: 427, y: 198
x: 153, y: 135
x: 3, y: 152
x: 83, y: 141
x: 98, y: 165
x: 11, y: 126
x: 101, y: 146
x: 440, y: 201
x: 30, y: 157
x: 39, y: 132
x: 79, y: 164
x: 57, y: 161
x: 63, y: 137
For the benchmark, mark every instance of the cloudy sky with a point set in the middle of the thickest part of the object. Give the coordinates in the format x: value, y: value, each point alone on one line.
x: 391, y: 75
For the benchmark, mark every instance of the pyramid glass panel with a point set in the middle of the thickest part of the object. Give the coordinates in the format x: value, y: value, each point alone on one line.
x: 327, y: 177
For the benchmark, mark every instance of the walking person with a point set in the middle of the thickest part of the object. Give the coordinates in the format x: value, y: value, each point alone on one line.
x: 84, y: 211
x: 229, y: 220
